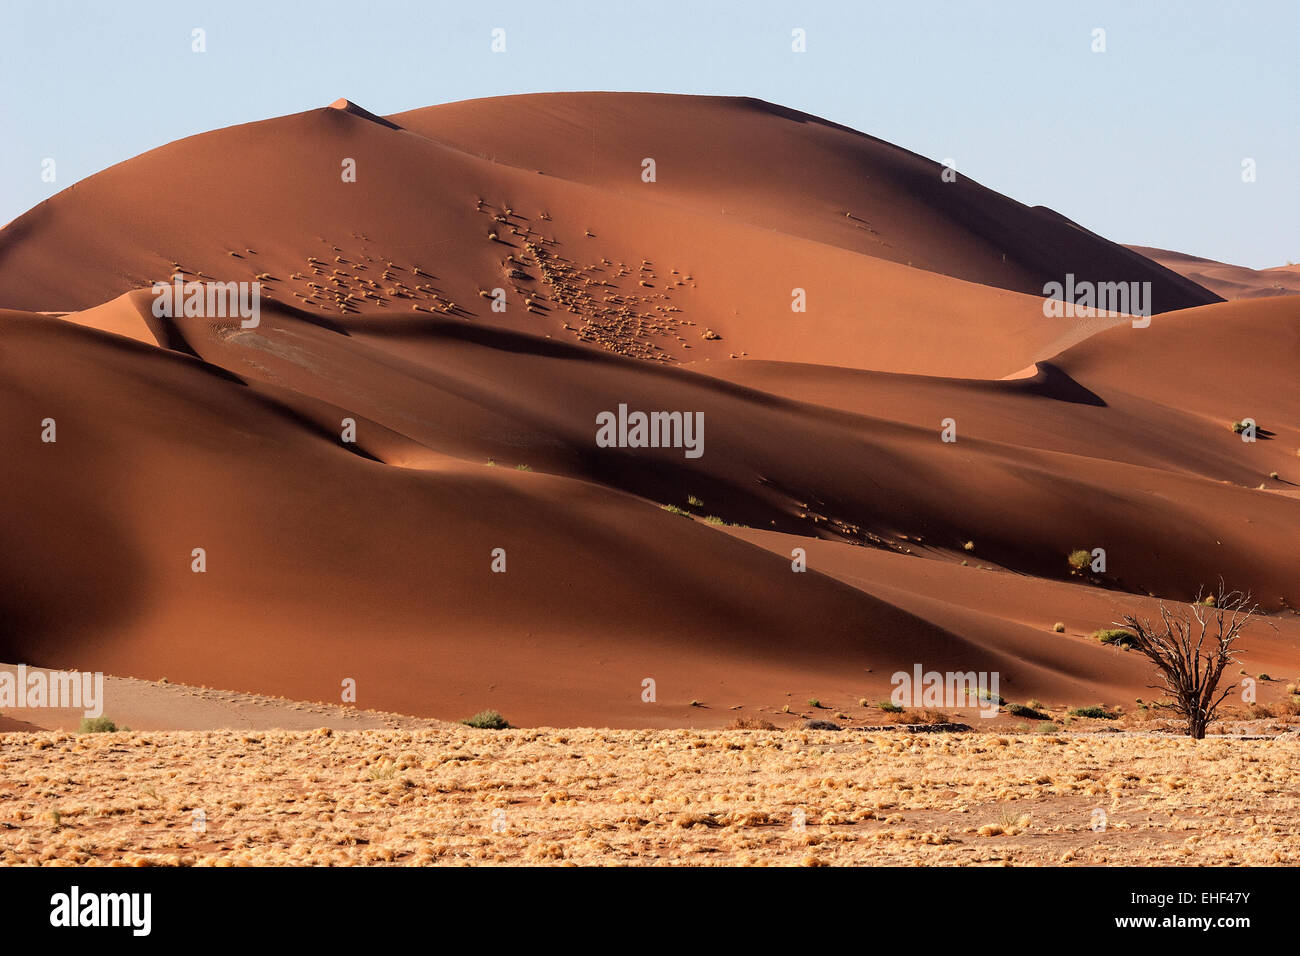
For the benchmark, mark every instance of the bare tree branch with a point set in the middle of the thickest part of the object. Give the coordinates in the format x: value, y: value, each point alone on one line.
x: 1189, y: 669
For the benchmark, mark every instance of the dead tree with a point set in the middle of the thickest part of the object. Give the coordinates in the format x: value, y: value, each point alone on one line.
x: 1190, y: 670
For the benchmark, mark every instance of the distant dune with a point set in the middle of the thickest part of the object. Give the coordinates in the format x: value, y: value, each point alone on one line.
x: 1228, y: 281
x: 475, y: 429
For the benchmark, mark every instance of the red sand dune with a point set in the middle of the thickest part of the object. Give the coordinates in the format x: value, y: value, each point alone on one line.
x: 1228, y: 281
x: 371, y: 560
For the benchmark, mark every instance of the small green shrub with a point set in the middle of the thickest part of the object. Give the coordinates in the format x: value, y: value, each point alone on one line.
x: 889, y: 707
x: 487, y: 720
x: 1096, y: 712
x: 1117, y: 636
x: 1080, y: 559
x: 96, y: 725
x: 1025, y: 711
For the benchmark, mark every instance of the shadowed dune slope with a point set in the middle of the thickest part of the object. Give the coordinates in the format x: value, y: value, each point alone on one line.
x: 1169, y: 491
x: 1163, y: 397
x: 323, y: 564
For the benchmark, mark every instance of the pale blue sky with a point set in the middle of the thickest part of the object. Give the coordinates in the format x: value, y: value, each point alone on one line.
x: 1142, y: 143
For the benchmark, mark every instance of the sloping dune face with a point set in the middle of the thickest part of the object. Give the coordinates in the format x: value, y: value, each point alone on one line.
x: 775, y: 168
x: 1228, y: 281
x: 754, y: 211
x: 396, y: 474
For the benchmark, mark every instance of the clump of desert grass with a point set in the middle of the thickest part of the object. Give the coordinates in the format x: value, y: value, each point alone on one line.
x: 1027, y: 711
x: 1010, y: 823
x: 487, y: 720
x: 1115, y: 636
x: 1094, y: 712
x: 97, y: 725
x: 919, y: 715
x: 751, y: 723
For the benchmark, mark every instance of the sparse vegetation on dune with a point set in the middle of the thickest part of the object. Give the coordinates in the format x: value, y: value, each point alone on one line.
x: 1117, y: 636
x: 1079, y: 560
x: 1027, y: 711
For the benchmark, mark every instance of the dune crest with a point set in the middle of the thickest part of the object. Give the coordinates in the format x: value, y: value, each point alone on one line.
x: 347, y: 106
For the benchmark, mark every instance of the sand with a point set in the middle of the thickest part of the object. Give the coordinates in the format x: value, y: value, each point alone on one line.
x: 668, y: 797
x: 1228, y: 281
x: 371, y: 561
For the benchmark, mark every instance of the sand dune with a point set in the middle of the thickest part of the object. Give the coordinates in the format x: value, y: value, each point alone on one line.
x: 1228, y: 281
x: 798, y: 174
x: 475, y: 429
x: 645, y: 272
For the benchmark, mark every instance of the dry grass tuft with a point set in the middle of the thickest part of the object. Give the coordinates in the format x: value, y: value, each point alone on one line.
x: 458, y: 796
